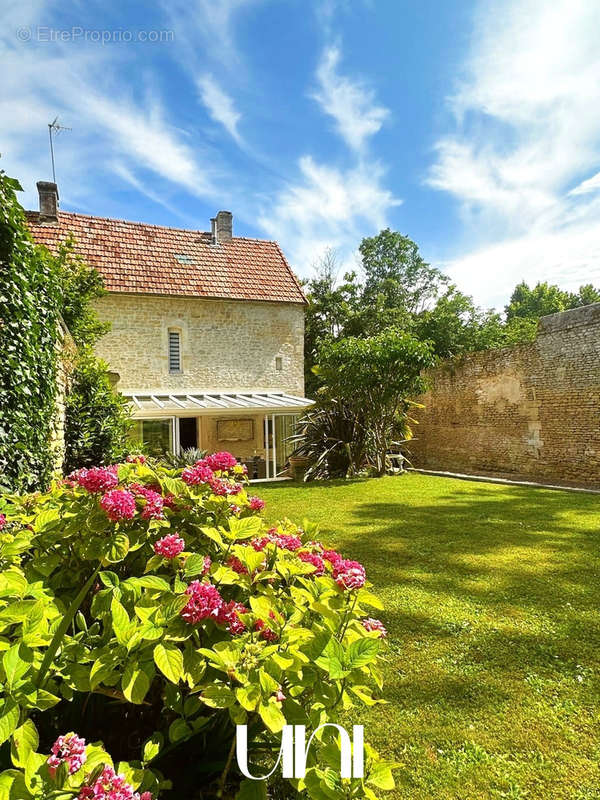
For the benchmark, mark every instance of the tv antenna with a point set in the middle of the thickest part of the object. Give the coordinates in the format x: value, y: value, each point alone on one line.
x: 53, y: 130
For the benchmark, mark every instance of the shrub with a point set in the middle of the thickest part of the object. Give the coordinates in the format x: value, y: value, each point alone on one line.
x: 97, y: 418
x: 153, y: 609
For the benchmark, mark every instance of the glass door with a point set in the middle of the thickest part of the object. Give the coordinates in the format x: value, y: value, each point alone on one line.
x: 159, y: 436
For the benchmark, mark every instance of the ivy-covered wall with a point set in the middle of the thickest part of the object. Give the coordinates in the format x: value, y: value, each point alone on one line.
x: 30, y: 303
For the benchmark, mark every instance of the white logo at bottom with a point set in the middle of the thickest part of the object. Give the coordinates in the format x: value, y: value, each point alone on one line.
x: 293, y: 751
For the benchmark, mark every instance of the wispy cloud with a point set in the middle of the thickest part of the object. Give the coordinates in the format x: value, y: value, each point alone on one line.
x: 327, y: 207
x: 523, y: 158
x: 351, y: 103
x: 220, y: 106
x: 208, y: 27
x: 590, y: 185
x: 84, y: 85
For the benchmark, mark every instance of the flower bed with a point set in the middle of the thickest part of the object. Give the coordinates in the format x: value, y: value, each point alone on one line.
x: 154, y: 610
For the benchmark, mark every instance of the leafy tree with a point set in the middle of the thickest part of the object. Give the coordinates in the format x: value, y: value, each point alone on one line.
x: 97, y: 418
x: 537, y: 302
x: 331, y: 306
x: 396, y: 275
x: 373, y: 379
x: 586, y: 295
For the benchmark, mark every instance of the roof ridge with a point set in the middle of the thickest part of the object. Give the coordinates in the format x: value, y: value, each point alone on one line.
x: 152, y: 225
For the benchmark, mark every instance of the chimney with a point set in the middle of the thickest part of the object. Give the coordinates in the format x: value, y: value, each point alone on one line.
x: 48, y: 193
x: 224, y: 226
x: 213, y: 229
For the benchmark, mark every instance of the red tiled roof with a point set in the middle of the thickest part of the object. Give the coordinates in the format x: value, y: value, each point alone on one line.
x: 134, y: 257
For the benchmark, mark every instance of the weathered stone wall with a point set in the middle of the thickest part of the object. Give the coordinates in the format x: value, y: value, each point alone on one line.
x: 65, y: 347
x: 528, y: 412
x: 224, y: 344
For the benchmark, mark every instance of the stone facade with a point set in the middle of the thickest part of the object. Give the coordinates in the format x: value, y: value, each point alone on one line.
x: 224, y: 344
x: 66, y: 349
x: 528, y: 412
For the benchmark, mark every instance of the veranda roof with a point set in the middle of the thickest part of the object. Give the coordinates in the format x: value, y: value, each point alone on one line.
x: 197, y: 403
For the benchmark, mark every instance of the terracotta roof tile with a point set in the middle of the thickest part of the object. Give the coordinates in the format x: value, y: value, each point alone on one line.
x: 136, y: 257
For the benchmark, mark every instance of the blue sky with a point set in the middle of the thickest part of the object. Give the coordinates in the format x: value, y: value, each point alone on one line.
x: 473, y: 127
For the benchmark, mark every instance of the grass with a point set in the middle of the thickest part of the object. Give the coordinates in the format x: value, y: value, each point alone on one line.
x: 492, y: 598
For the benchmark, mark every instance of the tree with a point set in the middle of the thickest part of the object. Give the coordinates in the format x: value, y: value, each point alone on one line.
x: 400, y: 290
x: 537, y: 302
x: 330, y: 308
x: 373, y: 379
x: 396, y: 276
x: 586, y: 295
x: 97, y: 419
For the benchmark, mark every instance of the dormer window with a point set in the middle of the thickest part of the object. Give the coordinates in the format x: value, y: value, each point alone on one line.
x: 174, y: 351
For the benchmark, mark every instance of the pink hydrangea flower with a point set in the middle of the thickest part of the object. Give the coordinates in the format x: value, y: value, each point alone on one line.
x: 228, y: 616
x: 205, y: 601
x: 222, y: 461
x: 349, y: 574
x: 2, y: 521
x: 236, y: 565
x: 97, y: 479
x: 111, y: 786
x: 207, y: 565
x: 222, y: 487
x: 266, y: 633
x: 332, y: 556
x: 199, y: 473
x: 118, y: 504
x: 234, y: 509
x: 260, y: 543
x: 69, y: 749
x: 154, y: 505
x: 169, y: 501
x: 315, y: 560
x: 279, y: 695
x: 256, y: 504
x: 370, y: 624
x: 170, y: 546
x: 136, y: 459
x: 153, y: 509
x: 287, y: 542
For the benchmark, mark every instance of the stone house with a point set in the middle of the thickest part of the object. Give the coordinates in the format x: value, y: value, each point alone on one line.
x: 207, y: 330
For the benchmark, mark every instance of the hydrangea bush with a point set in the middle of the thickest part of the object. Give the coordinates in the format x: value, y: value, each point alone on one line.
x: 151, y: 610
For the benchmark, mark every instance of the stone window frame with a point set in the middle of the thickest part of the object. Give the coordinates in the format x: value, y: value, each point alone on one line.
x: 179, y: 331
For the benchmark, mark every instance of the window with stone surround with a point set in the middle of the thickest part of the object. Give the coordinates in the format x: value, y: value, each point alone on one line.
x: 174, y: 350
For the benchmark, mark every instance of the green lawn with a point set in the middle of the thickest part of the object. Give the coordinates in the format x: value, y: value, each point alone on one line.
x: 492, y: 598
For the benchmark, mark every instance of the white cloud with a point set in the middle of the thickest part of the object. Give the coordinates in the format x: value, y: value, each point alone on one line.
x: 207, y: 26
x: 84, y: 86
x: 351, y: 103
x: 220, y: 106
x: 568, y: 257
x: 527, y: 129
x: 590, y: 185
x: 327, y: 207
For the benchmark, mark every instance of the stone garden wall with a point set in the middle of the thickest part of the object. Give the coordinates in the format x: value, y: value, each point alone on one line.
x: 528, y: 412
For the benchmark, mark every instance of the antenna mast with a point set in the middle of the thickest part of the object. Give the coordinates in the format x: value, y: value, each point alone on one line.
x: 54, y: 128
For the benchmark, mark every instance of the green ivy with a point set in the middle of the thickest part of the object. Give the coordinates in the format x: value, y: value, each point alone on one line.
x: 37, y: 289
x: 30, y: 303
